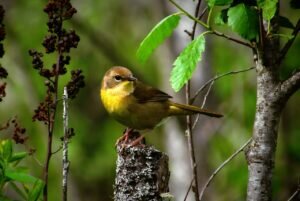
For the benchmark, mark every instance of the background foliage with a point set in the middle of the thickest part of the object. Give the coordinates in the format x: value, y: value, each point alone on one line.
x: 110, y: 33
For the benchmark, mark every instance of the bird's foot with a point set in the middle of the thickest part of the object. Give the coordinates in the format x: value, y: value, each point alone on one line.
x: 130, y: 138
x: 124, y: 138
x: 137, y: 141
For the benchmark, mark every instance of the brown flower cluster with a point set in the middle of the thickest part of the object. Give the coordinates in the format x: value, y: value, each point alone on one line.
x: 61, y: 41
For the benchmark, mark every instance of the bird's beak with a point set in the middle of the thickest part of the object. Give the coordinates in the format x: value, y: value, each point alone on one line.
x: 131, y: 79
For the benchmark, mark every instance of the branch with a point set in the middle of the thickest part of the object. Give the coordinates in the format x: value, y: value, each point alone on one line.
x: 295, y: 193
x: 290, y: 85
x: 188, y: 14
x: 221, y: 167
x: 65, y: 161
x: 197, y: 20
x: 216, y: 78
x: 203, y: 103
x: 287, y: 46
x: 189, y: 122
x: 232, y: 39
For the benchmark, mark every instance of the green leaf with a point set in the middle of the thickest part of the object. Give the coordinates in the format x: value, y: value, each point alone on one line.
x: 268, y: 7
x: 186, y: 63
x: 19, y: 176
x: 221, y: 17
x: 36, y: 191
x: 212, y: 3
x: 243, y: 20
x: 285, y: 22
x: 6, y: 149
x: 18, y: 156
x: 156, y: 36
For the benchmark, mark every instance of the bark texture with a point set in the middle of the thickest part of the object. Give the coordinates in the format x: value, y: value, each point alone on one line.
x: 142, y: 174
x: 272, y: 95
x: 261, y: 153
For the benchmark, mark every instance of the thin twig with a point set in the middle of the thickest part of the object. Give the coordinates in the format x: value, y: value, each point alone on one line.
x: 203, y: 103
x: 65, y: 161
x: 57, y: 150
x: 287, y: 46
x: 216, y: 78
x: 222, y: 166
x: 51, y: 121
x: 37, y: 160
x: 189, y: 189
x: 189, y: 122
x: 231, y: 38
x: 294, y: 194
x: 195, y: 19
x: 203, y: 13
x: 194, y: 125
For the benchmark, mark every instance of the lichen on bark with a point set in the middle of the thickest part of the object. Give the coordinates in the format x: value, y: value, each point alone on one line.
x: 142, y: 173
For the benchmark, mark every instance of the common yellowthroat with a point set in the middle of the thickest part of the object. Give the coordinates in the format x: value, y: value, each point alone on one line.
x: 137, y: 105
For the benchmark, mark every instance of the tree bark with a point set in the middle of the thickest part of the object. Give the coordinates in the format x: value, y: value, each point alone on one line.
x: 269, y: 104
x: 261, y: 153
x: 142, y: 174
x: 272, y: 95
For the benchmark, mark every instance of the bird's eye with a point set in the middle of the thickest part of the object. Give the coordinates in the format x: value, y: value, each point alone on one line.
x: 118, y: 78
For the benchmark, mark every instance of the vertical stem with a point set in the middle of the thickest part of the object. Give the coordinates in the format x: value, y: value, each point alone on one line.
x: 52, y: 114
x: 189, y: 122
x: 191, y: 144
x: 65, y: 145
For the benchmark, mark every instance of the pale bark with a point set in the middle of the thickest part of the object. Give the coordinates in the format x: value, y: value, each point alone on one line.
x: 272, y: 95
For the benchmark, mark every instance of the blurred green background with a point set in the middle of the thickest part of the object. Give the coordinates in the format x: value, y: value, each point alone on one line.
x: 110, y: 33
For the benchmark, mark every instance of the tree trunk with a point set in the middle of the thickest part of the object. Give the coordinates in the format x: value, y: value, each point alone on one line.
x: 261, y: 153
x: 270, y: 102
x: 142, y: 174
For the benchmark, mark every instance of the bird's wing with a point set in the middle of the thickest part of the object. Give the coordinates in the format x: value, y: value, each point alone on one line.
x: 144, y: 93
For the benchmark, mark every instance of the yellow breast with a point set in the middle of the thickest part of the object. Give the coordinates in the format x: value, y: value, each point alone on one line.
x: 116, y: 99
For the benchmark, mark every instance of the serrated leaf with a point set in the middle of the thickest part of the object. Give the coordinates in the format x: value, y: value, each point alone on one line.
x: 18, y: 156
x: 295, y: 4
x: 212, y: 3
x: 36, y: 191
x: 268, y: 7
x: 186, y: 63
x: 221, y: 17
x: 285, y: 22
x: 243, y: 20
x: 157, y: 35
x: 19, y: 176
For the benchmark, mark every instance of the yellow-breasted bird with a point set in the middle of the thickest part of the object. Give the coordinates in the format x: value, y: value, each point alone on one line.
x: 137, y: 105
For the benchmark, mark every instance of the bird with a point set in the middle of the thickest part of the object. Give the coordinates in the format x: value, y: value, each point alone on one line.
x: 137, y: 105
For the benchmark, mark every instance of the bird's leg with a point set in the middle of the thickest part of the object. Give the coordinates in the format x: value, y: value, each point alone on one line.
x: 136, y: 141
x: 125, y: 136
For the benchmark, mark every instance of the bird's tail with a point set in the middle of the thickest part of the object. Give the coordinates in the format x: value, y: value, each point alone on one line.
x: 182, y: 109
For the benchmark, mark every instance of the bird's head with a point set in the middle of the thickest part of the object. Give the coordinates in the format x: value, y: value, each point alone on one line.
x: 119, y: 79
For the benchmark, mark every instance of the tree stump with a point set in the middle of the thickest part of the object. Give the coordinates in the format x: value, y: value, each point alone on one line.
x: 142, y: 174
